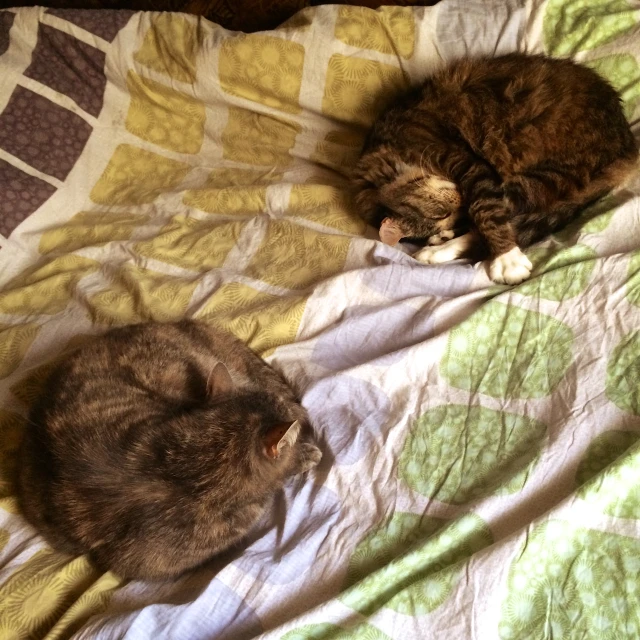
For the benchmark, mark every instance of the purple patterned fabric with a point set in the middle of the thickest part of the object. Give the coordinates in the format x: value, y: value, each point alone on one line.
x: 41, y: 133
x: 6, y: 21
x: 104, y: 23
x: 69, y: 66
x: 21, y: 194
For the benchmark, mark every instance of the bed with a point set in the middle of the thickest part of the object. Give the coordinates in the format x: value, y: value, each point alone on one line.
x: 481, y: 470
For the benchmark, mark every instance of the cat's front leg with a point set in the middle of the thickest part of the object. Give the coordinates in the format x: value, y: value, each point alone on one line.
x: 508, y: 264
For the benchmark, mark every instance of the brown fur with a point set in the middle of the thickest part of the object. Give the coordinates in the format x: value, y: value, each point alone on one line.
x: 527, y: 141
x: 147, y: 453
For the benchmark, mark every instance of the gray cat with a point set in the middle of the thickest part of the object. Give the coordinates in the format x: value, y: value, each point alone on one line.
x: 158, y: 446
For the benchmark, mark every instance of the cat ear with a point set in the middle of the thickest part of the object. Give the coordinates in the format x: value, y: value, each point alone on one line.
x: 219, y: 381
x: 282, y: 435
x: 390, y: 232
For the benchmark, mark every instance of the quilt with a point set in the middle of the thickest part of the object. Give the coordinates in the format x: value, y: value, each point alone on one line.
x: 481, y: 470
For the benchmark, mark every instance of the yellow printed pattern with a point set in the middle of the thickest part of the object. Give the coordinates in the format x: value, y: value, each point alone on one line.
x: 258, y: 139
x: 201, y: 131
x: 300, y: 21
x: 325, y: 205
x: 233, y: 191
x: 47, y: 289
x: 135, y: 176
x: 294, y: 257
x: 140, y: 295
x: 14, y: 343
x: 356, y: 89
x: 263, y: 69
x: 164, y: 116
x: 90, y: 228
x: 339, y: 150
x: 261, y: 320
x: 44, y: 588
x: 170, y: 47
x: 192, y: 244
x: 389, y: 30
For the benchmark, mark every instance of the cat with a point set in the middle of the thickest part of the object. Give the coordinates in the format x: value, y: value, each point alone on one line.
x: 491, y: 155
x: 157, y: 446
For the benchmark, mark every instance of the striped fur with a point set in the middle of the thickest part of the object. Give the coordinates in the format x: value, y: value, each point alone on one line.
x: 149, y: 455
x: 526, y: 141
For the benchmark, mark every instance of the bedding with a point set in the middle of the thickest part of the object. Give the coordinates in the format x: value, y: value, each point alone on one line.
x: 481, y: 474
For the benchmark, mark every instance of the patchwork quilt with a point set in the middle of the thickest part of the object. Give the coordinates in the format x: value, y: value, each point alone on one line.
x: 481, y: 470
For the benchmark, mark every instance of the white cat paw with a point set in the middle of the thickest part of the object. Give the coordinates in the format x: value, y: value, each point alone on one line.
x: 512, y: 267
x: 440, y: 238
x: 436, y: 255
x: 426, y: 255
x: 447, y: 252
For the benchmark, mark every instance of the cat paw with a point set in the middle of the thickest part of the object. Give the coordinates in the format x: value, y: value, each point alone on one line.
x: 425, y: 255
x: 447, y: 252
x: 310, y: 456
x: 436, y: 255
x: 512, y: 267
x: 440, y: 238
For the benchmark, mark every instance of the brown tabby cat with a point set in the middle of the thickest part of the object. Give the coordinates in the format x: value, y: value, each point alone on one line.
x: 155, y: 447
x: 505, y: 149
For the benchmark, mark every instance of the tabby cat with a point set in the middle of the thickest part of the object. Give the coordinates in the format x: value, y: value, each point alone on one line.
x: 492, y: 155
x: 155, y: 447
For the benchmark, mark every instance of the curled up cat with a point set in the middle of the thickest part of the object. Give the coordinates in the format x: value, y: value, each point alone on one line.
x: 157, y: 446
x: 491, y: 155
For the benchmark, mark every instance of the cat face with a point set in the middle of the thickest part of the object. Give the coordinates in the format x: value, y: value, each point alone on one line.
x: 406, y: 201
x: 419, y: 206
